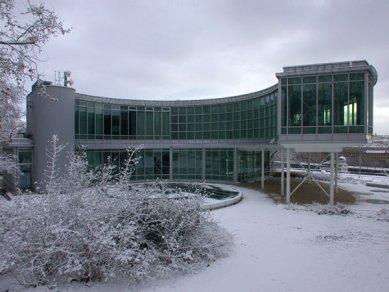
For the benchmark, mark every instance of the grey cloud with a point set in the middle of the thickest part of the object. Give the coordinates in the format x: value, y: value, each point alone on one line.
x: 174, y: 49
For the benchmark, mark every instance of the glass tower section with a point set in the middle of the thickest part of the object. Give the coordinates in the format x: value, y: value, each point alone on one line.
x: 333, y: 103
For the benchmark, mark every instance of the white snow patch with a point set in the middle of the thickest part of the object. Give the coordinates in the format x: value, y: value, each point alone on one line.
x: 287, y: 250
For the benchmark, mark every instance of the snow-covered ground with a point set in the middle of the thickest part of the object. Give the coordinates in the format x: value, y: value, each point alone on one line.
x: 277, y: 249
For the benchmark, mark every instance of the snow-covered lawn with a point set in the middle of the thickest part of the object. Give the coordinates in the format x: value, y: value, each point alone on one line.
x: 277, y: 249
x: 283, y: 250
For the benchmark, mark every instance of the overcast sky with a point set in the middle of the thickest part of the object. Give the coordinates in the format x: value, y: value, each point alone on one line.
x: 196, y: 49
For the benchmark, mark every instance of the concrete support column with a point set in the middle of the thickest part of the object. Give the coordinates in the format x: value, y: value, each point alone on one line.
x: 336, y: 171
x: 263, y: 170
x: 203, y: 164
x: 170, y: 163
x: 309, y: 166
x: 269, y: 164
x: 282, y: 173
x: 235, y: 165
x: 332, y: 178
x: 288, y: 176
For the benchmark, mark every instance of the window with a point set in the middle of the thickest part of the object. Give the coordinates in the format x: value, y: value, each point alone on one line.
x: 350, y: 114
x: 309, y: 104
x: 326, y: 116
x: 24, y: 157
x: 294, y: 92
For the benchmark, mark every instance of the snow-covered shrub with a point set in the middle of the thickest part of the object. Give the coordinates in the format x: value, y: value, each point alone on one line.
x: 383, y: 214
x: 179, y: 231
x: 322, y: 209
x: 52, y: 180
x: 337, y: 209
x: 89, y: 234
x: 77, y: 176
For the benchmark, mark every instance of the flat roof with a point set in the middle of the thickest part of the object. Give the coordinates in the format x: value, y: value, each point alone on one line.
x: 169, y: 103
x: 328, y: 68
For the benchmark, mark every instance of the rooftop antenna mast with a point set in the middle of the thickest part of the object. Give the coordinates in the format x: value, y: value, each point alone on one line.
x: 62, y: 78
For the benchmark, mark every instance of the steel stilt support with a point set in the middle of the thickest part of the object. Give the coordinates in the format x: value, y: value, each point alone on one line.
x: 263, y: 170
x: 203, y: 164
x: 309, y: 166
x: 171, y: 163
x: 336, y: 171
x: 282, y: 173
x: 288, y: 176
x: 235, y: 165
x: 332, y: 179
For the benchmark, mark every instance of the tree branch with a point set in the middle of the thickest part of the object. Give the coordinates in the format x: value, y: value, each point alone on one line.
x: 17, y: 43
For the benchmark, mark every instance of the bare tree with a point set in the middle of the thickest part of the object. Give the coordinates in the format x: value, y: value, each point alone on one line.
x: 24, y: 29
x: 10, y: 114
x: 9, y: 111
x: 52, y: 181
x: 22, y: 36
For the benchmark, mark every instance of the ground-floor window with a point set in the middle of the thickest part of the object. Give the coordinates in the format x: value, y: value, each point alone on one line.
x: 250, y: 165
x: 25, y: 165
x: 187, y: 164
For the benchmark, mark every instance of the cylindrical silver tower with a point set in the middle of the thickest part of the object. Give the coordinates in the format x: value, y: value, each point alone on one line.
x: 49, y: 111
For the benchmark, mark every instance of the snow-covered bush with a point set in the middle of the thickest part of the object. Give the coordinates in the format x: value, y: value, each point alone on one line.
x: 322, y: 209
x: 337, y: 209
x: 77, y: 176
x: 52, y: 183
x: 383, y: 214
x: 89, y: 234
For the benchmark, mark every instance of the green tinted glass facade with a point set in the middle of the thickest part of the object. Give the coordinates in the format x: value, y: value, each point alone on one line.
x: 113, y: 122
x: 313, y: 107
x: 187, y: 164
x: 254, y: 118
x: 333, y: 103
x: 219, y: 164
x: 228, y: 139
x: 154, y: 163
x: 24, y: 161
x: 249, y: 119
x: 183, y: 164
x: 250, y: 165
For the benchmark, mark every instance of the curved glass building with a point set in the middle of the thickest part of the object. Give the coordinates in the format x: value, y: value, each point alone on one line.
x: 321, y: 107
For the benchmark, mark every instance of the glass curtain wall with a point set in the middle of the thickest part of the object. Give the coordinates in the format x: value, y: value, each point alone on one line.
x: 25, y: 166
x: 219, y: 164
x: 108, y: 121
x: 323, y: 104
x: 186, y: 163
x: 250, y: 165
x: 154, y: 163
x: 248, y: 119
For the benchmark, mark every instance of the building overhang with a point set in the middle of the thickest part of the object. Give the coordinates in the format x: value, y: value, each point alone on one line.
x: 322, y: 142
x: 241, y: 144
x: 18, y: 143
